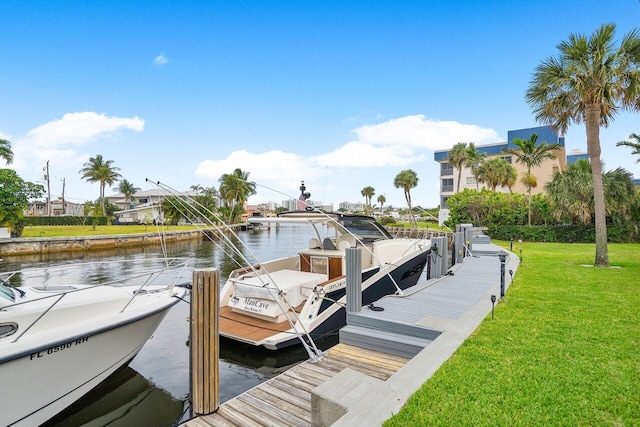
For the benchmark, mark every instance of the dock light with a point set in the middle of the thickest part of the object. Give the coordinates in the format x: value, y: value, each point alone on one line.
x: 511, y: 274
x: 493, y: 304
x: 503, y: 259
x: 511, y: 245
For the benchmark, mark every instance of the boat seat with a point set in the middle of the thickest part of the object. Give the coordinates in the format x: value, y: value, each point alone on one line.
x: 328, y: 244
x: 314, y: 243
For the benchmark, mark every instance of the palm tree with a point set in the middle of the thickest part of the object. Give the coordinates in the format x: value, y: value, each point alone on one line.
x: 474, y: 160
x: 368, y: 192
x: 235, y: 189
x: 5, y: 151
x: 634, y: 145
x: 590, y: 82
x: 197, y: 188
x: 457, y: 159
x: 496, y: 172
x: 102, y: 171
x: 407, y: 179
x: 127, y: 189
x: 382, y: 200
x: 571, y: 194
x: 531, y: 155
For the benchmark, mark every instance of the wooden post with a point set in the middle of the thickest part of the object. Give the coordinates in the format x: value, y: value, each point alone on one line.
x: 205, y: 349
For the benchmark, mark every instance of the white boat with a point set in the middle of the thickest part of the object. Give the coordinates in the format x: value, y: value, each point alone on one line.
x: 276, y: 303
x: 59, y: 340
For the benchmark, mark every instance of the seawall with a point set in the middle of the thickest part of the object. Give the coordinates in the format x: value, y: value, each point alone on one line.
x: 39, y: 245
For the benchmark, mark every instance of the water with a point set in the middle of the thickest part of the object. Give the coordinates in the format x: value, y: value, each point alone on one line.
x: 153, y: 389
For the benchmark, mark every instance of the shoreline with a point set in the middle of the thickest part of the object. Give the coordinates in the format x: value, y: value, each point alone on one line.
x: 48, y: 245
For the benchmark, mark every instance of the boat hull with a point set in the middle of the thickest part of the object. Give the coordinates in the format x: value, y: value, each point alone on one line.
x: 47, y: 380
x: 332, y: 316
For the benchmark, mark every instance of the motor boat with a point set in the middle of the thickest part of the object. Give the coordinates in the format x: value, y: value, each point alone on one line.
x: 59, y: 340
x: 278, y: 303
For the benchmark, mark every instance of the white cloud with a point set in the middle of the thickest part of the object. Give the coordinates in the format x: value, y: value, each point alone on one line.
x: 58, y: 139
x: 272, y: 168
x: 79, y: 129
x: 421, y: 132
x: 395, y: 144
x: 161, y: 59
x: 403, y: 141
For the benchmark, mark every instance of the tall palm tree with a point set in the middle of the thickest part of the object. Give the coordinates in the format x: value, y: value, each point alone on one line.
x: 368, y: 192
x: 407, y: 179
x: 102, y: 171
x: 457, y: 159
x: 631, y: 144
x: 235, y: 189
x: 5, y: 151
x: 474, y: 160
x: 590, y: 82
x: 531, y: 154
x: 382, y: 200
x: 127, y: 189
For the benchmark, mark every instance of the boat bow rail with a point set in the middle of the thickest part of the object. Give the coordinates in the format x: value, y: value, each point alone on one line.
x: 30, y: 308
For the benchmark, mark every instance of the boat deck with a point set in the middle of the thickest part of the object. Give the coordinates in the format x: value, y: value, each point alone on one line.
x: 249, y: 328
x: 286, y: 399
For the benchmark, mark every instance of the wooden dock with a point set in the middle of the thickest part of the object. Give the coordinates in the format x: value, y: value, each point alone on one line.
x: 286, y: 399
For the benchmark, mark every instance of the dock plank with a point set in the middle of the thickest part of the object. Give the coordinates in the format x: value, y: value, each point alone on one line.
x: 285, y: 395
x: 281, y: 412
x: 286, y: 399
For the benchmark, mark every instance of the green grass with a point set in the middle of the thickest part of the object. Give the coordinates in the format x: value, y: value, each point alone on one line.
x: 98, y: 230
x: 563, y: 349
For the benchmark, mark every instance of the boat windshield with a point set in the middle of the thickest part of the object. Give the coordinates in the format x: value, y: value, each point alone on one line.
x: 365, y: 229
x: 6, y: 292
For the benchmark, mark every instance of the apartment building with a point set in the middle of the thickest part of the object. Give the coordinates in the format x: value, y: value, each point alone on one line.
x: 543, y: 173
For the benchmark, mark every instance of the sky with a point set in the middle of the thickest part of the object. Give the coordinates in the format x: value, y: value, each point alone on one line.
x: 342, y: 95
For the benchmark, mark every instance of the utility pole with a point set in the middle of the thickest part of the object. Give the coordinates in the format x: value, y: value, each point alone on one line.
x: 46, y: 177
x: 63, y: 210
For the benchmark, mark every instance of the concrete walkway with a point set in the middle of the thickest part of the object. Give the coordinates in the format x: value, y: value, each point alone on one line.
x: 352, y: 398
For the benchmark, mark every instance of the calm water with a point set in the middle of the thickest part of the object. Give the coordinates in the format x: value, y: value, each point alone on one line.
x: 153, y: 389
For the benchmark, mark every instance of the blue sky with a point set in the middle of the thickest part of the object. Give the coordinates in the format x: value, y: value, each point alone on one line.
x: 339, y: 94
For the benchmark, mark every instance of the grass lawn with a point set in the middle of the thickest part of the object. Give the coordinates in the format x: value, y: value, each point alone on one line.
x: 98, y: 230
x: 563, y: 348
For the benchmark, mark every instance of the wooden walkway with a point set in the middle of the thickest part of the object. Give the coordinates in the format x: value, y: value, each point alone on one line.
x: 286, y: 399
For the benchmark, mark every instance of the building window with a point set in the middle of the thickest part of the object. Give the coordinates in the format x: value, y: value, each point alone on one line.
x: 443, y: 202
x: 447, y: 185
x: 446, y: 169
x: 471, y: 180
x: 507, y: 158
x: 143, y: 200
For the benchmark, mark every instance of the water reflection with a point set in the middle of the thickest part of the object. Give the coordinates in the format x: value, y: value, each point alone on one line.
x: 125, y: 399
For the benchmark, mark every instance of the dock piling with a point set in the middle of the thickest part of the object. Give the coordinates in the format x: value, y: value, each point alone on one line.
x: 354, y: 279
x: 204, y: 347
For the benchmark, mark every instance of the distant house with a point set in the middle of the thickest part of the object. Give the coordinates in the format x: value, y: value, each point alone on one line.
x: 145, y: 197
x: 144, y: 206
x: 148, y: 213
x: 58, y: 208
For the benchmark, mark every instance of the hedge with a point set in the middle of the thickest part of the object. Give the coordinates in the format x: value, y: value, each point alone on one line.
x: 64, y: 220
x: 563, y: 233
